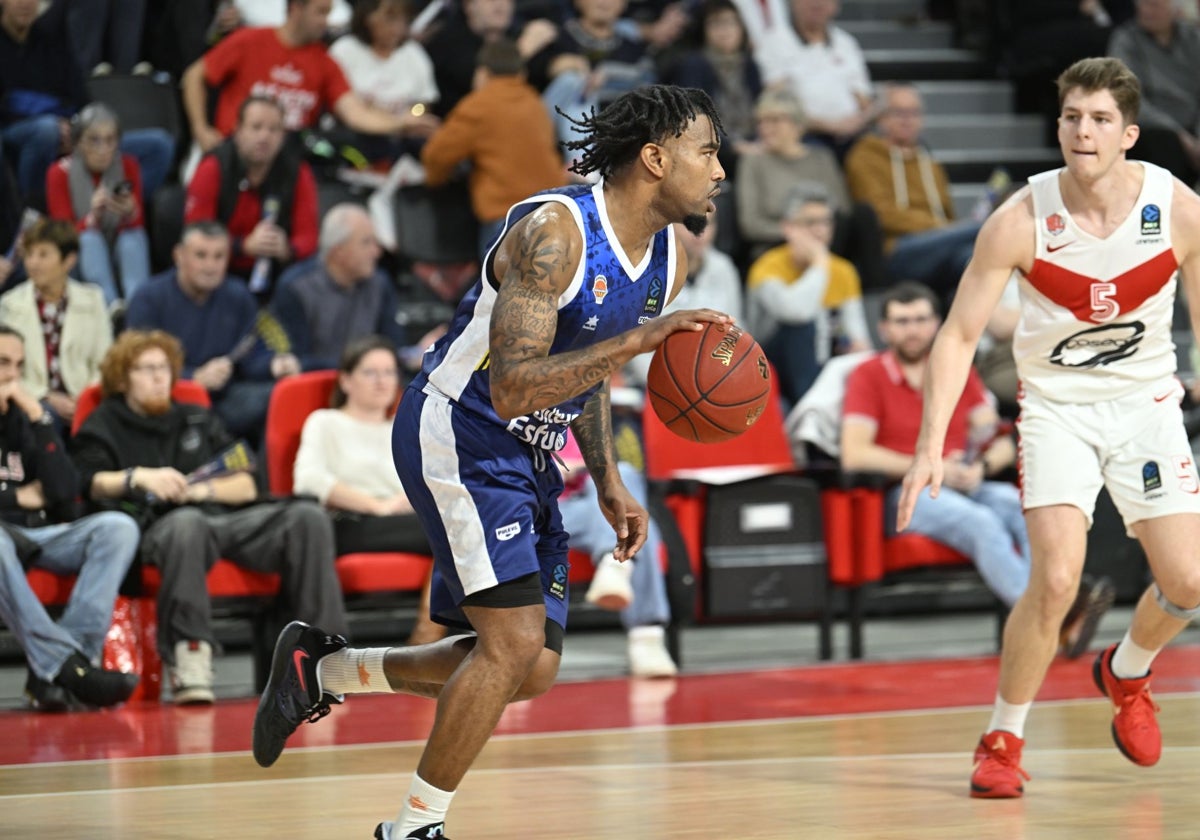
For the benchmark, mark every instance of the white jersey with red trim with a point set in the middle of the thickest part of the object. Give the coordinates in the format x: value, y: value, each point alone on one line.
x: 1096, y: 313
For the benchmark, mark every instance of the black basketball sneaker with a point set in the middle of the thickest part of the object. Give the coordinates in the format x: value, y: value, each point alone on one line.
x: 293, y: 695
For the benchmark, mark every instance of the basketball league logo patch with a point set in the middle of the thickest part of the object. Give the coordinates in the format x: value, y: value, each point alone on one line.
x: 600, y: 289
x: 1151, y: 220
x: 1055, y: 224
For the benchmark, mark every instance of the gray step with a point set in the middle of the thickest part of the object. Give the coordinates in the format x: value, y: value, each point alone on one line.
x: 968, y: 165
x: 941, y: 64
x: 886, y: 34
x: 881, y: 10
x: 984, y: 131
x: 965, y: 197
x: 953, y: 98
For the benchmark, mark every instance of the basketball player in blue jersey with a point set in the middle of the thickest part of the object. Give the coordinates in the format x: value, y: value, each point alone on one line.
x: 572, y: 290
x: 1099, y: 247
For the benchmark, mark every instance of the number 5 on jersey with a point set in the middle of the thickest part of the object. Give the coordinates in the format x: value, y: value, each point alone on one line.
x: 1104, y: 308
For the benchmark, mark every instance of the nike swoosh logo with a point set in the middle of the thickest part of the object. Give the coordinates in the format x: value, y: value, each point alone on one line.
x: 298, y: 657
x: 1164, y: 396
x: 1050, y: 249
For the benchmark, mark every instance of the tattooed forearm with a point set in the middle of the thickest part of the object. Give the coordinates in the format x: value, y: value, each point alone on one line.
x: 524, y: 376
x: 593, y: 431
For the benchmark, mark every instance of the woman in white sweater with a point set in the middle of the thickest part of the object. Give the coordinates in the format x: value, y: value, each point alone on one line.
x: 344, y: 460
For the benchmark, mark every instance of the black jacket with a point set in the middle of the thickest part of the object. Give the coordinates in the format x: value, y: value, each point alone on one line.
x: 115, y: 438
x: 33, y: 452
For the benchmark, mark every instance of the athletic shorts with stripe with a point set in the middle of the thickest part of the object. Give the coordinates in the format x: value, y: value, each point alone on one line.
x: 488, y: 503
x: 1135, y: 445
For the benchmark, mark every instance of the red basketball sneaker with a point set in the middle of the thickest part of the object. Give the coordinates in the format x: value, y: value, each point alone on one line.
x: 998, y: 770
x: 1134, y: 727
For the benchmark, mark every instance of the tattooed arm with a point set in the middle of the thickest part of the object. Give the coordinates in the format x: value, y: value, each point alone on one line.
x: 535, y: 263
x: 593, y: 431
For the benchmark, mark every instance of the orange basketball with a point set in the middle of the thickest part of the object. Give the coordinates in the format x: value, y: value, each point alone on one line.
x: 709, y: 385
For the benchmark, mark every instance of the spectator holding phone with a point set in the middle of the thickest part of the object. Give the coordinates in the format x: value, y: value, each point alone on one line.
x: 99, y: 190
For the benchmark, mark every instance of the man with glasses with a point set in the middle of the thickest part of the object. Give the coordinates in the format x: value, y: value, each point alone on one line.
x: 803, y: 303
x: 161, y: 460
x: 978, y: 517
x: 910, y: 192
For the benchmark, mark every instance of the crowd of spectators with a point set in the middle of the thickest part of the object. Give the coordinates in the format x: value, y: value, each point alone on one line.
x: 832, y: 191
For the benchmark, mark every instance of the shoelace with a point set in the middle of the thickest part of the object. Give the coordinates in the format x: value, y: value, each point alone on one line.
x: 1139, y: 706
x: 317, y: 711
x: 1008, y: 759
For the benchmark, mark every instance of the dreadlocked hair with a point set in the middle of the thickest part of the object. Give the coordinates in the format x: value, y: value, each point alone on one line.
x: 650, y: 114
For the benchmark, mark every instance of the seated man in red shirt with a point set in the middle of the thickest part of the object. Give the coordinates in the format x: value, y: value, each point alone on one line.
x: 881, y: 418
x: 292, y: 65
x: 261, y: 191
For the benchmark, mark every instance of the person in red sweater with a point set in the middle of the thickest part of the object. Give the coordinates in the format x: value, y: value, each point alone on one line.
x: 99, y: 190
x: 291, y: 64
x: 263, y: 193
x: 503, y: 128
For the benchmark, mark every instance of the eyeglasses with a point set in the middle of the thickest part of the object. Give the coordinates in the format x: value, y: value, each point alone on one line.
x: 911, y: 320
x: 821, y: 221
x: 380, y: 374
x: 906, y: 112
x: 151, y: 370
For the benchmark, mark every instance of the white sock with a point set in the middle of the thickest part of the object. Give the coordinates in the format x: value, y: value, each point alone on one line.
x: 353, y: 671
x: 1009, y: 717
x: 1131, y: 661
x: 425, y: 805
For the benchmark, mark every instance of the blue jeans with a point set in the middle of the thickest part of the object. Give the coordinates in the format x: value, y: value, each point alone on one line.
x: 793, y: 352
x: 988, y: 526
x: 936, y: 258
x: 591, y: 532
x: 92, y: 23
x: 133, y: 261
x: 32, y: 144
x: 99, y: 549
x: 242, y: 407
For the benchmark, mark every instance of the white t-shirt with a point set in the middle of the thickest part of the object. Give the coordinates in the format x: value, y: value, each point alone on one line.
x: 274, y: 12
x: 825, y: 77
x: 394, y: 83
x: 335, y: 447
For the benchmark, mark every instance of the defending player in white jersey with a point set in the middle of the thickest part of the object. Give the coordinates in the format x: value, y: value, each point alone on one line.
x: 1099, y: 246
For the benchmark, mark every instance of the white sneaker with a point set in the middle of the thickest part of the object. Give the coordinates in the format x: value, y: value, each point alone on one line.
x: 192, y: 674
x: 611, y: 588
x: 648, y: 655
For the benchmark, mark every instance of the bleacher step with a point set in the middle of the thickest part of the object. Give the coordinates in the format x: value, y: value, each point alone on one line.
x: 887, y: 34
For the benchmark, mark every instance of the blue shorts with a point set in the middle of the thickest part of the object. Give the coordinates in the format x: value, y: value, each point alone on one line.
x: 487, y: 501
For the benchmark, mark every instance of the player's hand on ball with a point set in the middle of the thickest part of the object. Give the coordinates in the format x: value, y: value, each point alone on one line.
x: 656, y: 330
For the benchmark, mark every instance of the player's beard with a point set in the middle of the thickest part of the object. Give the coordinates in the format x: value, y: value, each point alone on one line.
x: 156, y: 406
x: 695, y: 223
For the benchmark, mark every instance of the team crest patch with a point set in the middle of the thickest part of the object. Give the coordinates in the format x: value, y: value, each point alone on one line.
x: 1151, y: 220
x: 1151, y: 479
x: 600, y: 288
x: 1055, y: 224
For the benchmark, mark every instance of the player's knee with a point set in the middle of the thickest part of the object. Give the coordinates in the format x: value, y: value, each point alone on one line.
x: 543, y: 675
x: 1180, y: 599
x: 1055, y: 590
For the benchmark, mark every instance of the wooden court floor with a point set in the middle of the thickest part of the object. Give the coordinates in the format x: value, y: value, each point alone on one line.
x: 697, y: 757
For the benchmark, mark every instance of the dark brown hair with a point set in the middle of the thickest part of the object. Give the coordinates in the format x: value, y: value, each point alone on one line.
x: 352, y: 356
x: 363, y: 9
x: 1111, y: 74
x: 57, y: 232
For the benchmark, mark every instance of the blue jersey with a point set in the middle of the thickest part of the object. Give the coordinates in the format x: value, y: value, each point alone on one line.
x: 607, y: 296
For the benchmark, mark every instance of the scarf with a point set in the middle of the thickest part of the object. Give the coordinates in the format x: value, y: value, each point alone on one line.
x: 83, y: 186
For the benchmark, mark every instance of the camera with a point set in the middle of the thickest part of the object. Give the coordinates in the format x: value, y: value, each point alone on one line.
x: 123, y: 189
